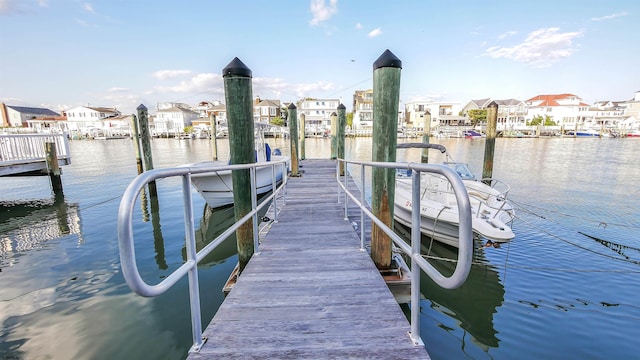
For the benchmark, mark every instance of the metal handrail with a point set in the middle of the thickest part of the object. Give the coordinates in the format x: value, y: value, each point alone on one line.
x: 126, y: 240
x: 465, y: 234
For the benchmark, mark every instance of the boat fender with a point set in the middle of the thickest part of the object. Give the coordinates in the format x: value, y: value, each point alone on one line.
x: 277, y: 152
x: 268, y: 151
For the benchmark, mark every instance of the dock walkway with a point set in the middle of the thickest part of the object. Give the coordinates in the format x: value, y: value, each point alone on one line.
x: 310, y: 293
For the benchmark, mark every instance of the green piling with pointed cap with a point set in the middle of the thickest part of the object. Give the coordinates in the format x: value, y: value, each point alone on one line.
x: 341, y: 128
x: 386, y: 99
x: 334, y: 135
x: 490, y: 141
x: 425, y: 136
x: 293, y: 138
x: 239, y: 100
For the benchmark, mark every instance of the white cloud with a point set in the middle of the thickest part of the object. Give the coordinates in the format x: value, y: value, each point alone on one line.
x: 322, y: 11
x: 506, y: 35
x: 541, y: 48
x: 358, y: 26
x: 80, y: 22
x: 199, y: 83
x: 375, y: 32
x: 167, y: 74
x: 20, y: 7
x: 88, y: 7
x: 609, y: 17
x: 117, y: 89
x: 276, y: 87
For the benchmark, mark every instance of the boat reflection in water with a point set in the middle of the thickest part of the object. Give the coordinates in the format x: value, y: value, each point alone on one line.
x: 473, y: 304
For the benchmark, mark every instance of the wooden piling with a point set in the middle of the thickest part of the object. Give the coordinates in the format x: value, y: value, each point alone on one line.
x: 301, y: 136
x: 342, y: 124
x: 386, y: 98
x: 293, y: 129
x: 334, y: 135
x: 425, y: 136
x: 239, y: 99
x: 490, y: 141
x: 145, y: 140
x: 214, y: 141
x: 53, y: 168
x: 136, y: 143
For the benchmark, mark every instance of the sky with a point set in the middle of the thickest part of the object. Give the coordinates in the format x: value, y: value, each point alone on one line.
x: 60, y: 54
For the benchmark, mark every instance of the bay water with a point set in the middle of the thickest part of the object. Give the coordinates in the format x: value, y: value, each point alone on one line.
x: 567, y: 285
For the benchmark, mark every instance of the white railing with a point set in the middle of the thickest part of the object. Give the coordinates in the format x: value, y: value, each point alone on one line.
x: 127, y: 245
x: 15, y: 149
x: 465, y: 233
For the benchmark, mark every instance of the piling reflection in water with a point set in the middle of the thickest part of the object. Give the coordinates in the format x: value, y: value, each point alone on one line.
x: 473, y: 304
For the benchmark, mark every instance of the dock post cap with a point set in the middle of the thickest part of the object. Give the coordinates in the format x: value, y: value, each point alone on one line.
x: 236, y: 67
x: 387, y: 59
x: 141, y: 107
x: 291, y: 106
x: 341, y: 106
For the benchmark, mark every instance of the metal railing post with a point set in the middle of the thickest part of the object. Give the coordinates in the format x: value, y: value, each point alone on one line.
x: 273, y: 190
x: 362, y: 174
x: 415, y: 251
x: 254, y: 205
x: 190, y: 244
x: 346, y: 203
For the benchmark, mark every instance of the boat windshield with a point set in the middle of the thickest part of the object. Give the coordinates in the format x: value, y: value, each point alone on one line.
x: 462, y: 170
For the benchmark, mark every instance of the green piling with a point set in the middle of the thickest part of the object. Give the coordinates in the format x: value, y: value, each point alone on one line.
x: 334, y: 135
x: 386, y: 99
x: 490, y: 141
x: 239, y: 99
x: 293, y: 130
x: 53, y: 168
x: 214, y: 141
x: 145, y: 139
x: 341, y: 128
x: 302, y: 136
x: 425, y: 136
x: 136, y: 143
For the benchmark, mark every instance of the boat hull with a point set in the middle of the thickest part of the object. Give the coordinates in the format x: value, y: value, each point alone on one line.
x: 217, y: 187
x: 439, y: 211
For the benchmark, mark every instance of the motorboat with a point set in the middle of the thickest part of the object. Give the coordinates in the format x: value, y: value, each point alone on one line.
x: 216, y: 187
x: 472, y: 135
x: 491, y: 212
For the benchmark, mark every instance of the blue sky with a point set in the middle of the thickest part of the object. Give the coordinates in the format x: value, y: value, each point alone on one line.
x: 122, y: 53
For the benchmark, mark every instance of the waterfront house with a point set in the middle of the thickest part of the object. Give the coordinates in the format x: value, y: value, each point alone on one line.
x: 363, y: 110
x: 18, y: 116
x: 443, y: 113
x: 511, y: 112
x: 265, y: 110
x: 172, y: 121
x: 318, y: 112
x: 567, y: 110
x: 87, y: 120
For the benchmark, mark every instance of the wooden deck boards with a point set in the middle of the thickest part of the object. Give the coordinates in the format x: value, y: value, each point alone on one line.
x: 310, y: 293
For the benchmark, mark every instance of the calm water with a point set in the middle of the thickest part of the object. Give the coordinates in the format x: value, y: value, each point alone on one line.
x: 567, y: 286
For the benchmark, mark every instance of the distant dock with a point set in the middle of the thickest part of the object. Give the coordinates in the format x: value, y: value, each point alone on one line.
x: 26, y: 154
x: 310, y: 293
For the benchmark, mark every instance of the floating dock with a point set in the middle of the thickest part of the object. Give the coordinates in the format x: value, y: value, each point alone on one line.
x: 310, y: 293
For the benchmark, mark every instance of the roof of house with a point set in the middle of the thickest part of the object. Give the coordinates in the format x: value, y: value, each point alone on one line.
x: 266, y: 102
x: 552, y: 100
x: 481, y: 103
x: 33, y: 110
x: 177, y: 109
x: 103, y: 109
x: 508, y: 102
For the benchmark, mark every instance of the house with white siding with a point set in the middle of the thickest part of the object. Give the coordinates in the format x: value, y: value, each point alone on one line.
x: 86, y: 120
x: 318, y: 112
x: 512, y: 113
x: 363, y: 110
x: 172, y: 121
x: 265, y: 110
x: 442, y: 113
x: 566, y: 110
x: 18, y: 116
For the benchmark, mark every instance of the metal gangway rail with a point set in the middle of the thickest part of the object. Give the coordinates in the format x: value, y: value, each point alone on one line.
x: 418, y: 263
x: 138, y: 285
x: 24, y: 153
x: 190, y: 267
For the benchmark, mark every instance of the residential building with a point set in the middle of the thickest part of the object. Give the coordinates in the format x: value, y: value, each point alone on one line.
x: 17, y: 116
x: 265, y: 110
x: 318, y: 112
x: 172, y: 121
x: 442, y: 113
x: 567, y: 110
x: 363, y: 110
x: 512, y: 113
x: 88, y: 119
x: 632, y: 107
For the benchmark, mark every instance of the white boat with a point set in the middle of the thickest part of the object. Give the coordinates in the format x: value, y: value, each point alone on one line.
x: 217, y: 187
x: 491, y: 212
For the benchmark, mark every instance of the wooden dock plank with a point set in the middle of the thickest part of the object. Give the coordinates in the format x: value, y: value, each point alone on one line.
x: 310, y: 293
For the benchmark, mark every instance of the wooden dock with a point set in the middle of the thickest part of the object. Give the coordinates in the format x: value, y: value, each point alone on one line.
x: 25, y: 154
x: 310, y: 293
